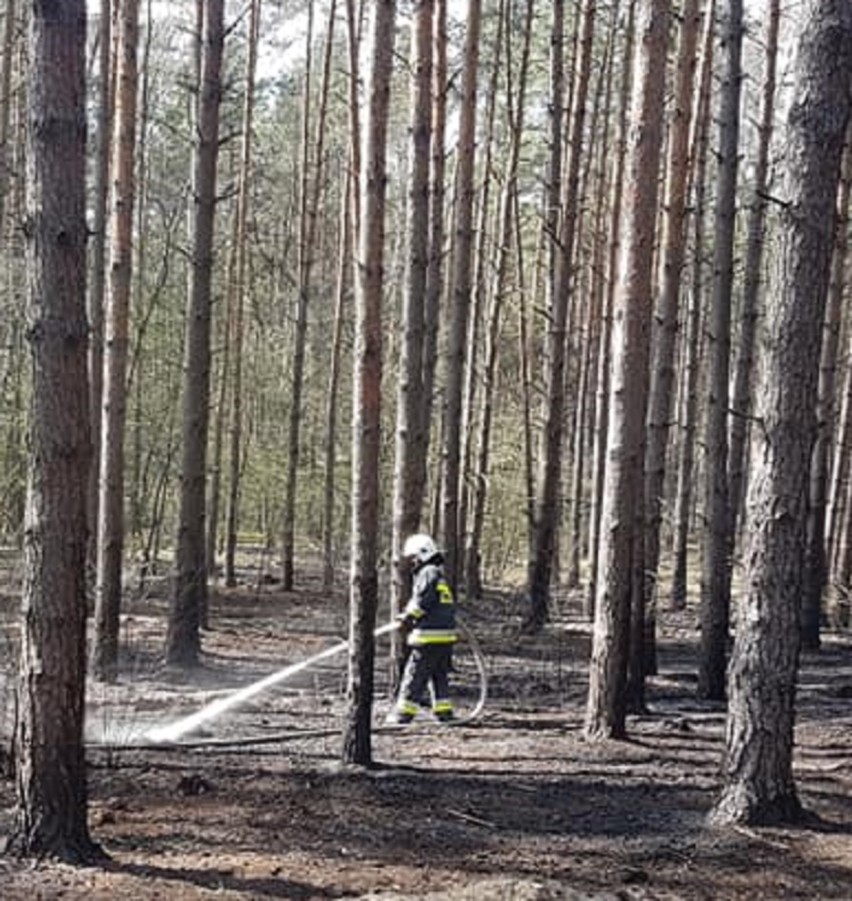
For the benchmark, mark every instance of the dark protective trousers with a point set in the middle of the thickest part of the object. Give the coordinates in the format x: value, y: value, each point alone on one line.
x: 427, y: 666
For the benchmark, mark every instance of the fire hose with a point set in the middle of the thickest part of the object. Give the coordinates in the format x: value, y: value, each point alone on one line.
x: 169, y: 737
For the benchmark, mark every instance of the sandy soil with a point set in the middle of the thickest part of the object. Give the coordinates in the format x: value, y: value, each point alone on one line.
x: 512, y: 805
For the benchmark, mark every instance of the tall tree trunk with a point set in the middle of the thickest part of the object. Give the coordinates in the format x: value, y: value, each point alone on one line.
x: 604, y: 362
x: 238, y: 334
x: 816, y: 570
x: 111, y: 491
x: 694, y: 318
x: 50, y: 817
x: 664, y: 338
x: 505, y: 231
x: 367, y: 379
x: 407, y: 496
x: 435, y: 271
x: 752, y: 277
x: 717, y: 541
x: 97, y: 280
x: 190, y: 589
x: 758, y: 770
x: 344, y: 286
x: 462, y: 285
x: 482, y: 264
x: 305, y: 250
x: 551, y: 466
x: 622, y: 535
x: 586, y: 346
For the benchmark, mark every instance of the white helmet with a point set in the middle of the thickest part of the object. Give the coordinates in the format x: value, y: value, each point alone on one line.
x: 420, y: 547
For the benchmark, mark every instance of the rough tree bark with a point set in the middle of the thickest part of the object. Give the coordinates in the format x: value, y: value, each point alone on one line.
x: 50, y: 817
x: 741, y: 397
x: 367, y: 379
x: 758, y: 770
x: 601, y: 424
x: 461, y: 291
x: 816, y: 573
x: 407, y: 494
x: 112, y: 458
x: 622, y: 535
x: 717, y: 541
x: 694, y: 319
x: 547, y: 507
x: 190, y: 589
x: 669, y: 290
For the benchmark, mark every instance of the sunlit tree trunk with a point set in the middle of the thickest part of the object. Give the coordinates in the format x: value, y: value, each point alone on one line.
x: 505, y: 231
x: 98, y: 247
x: 190, y: 589
x: 407, y: 496
x: 343, y: 289
x: 604, y: 361
x: 741, y: 399
x: 485, y: 241
x: 462, y: 285
x: 758, y: 771
x: 112, y: 457
x: 664, y: 338
x: 297, y: 364
x: 547, y: 507
x: 699, y: 145
x: 367, y: 378
x: 241, y: 290
x: 622, y: 535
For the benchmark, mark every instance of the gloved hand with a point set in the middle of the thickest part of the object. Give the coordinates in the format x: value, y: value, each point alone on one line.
x: 406, y: 622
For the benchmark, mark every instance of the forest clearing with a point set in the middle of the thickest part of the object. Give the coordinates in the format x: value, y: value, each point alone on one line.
x: 515, y: 805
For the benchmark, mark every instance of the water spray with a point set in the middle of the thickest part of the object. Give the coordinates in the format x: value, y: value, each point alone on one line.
x: 174, y: 731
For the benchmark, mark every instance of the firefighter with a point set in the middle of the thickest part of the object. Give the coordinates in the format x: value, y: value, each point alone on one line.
x: 429, y: 624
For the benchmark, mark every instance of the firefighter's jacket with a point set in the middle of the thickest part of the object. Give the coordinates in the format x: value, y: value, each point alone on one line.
x: 431, y: 612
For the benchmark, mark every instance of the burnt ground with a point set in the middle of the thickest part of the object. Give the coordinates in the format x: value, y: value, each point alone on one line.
x: 512, y: 805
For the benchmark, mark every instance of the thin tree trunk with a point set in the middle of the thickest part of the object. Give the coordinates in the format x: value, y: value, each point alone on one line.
x: 97, y: 264
x: 238, y: 335
x: 190, y: 590
x: 367, y: 377
x: 505, y: 233
x: 50, y: 817
x: 344, y: 285
x: 482, y: 262
x: 604, y: 364
x: 669, y: 290
x: 111, y: 492
x: 435, y: 271
x: 692, y: 348
x: 816, y: 573
x: 741, y: 399
x: 622, y: 535
x: 551, y: 466
x: 717, y: 541
x: 461, y: 292
x: 301, y: 325
x: 758, y: 771
x: 407, y: 496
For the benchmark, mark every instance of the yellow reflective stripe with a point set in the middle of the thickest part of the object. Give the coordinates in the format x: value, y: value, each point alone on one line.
x: 445, y: 596
x: 442, y: 707
x: 407, y: 707
x: 432, y: 636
